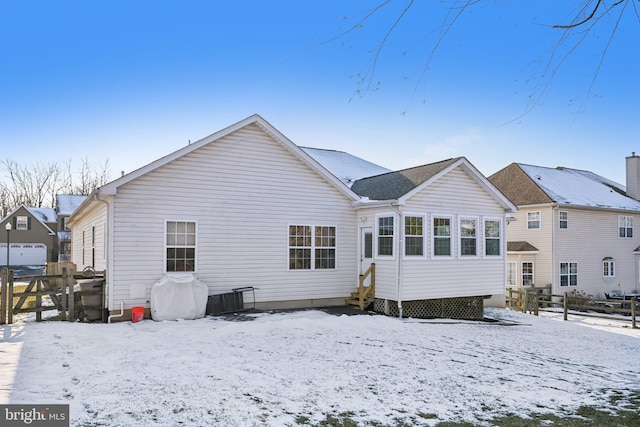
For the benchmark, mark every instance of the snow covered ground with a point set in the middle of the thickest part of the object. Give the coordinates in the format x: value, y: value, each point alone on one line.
x: 279, y: 369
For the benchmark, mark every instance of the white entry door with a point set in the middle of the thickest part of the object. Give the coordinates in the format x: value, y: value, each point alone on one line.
x: 366, y: 249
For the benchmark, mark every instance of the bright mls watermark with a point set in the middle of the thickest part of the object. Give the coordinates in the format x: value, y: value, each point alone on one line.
x: 34, y: 415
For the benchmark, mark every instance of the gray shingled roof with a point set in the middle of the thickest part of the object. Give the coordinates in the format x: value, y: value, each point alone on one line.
x: 393, y: 185
x: 521, y: 247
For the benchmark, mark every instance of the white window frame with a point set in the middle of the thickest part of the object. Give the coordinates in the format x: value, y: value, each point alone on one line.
x: 568, y: 274
x: 533, y: 272
x: 423, y: 235
x: 530, y: 221
x: 475, y: 237
x: 313, y: 247
x: 625, y: 222
x: 186, y: 246
x: 499, y: 238
x: 562, y: 220
x: 318, y: 246
x: 392, y: 237
x: 434, y: 217
x: 608, y: 268
x: 512, y: 273
x: 22, y: 222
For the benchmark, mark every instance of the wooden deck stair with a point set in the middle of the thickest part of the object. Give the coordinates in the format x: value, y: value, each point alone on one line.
x: 365, y: 295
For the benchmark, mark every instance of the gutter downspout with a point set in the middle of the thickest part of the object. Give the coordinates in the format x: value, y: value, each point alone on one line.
x: 112, y: 316
x: 106, y: 252
x: 399, y: 259
x: 554, y: 210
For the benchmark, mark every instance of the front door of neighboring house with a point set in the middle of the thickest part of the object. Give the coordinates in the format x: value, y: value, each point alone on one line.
x: 366, y: 250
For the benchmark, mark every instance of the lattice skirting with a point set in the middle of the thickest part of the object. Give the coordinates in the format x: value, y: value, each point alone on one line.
x: 468, y: 308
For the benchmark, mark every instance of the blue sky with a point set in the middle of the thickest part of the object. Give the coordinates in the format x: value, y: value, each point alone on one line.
x: 134, y: 81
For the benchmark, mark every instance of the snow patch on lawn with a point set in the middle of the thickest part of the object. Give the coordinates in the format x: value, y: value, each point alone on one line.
x: 275, y: 368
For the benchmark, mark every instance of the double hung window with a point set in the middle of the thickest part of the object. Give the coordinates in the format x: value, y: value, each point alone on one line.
x: 312, y: 247
x: 413, y: 236
x: 181, y: 246
x: 442, y: 236
x: 568, y: 274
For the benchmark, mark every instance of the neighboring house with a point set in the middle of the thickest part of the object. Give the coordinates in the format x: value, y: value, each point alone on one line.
x: 65, y: 205
x: 246, y: 207
x: 31, y: 239
x: 39, y: 235
x: 574, y: 229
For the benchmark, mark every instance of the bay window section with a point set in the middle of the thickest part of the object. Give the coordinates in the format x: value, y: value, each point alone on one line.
x: 492, y: 238
x: 468, y: 237
x: 385, y: 236
x: 442, y: 236
x: 413, y: 236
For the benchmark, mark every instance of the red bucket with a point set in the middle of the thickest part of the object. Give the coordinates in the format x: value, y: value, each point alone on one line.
x: 137, y: 314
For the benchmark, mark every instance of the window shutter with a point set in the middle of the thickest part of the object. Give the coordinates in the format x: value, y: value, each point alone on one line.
x: 28, y: 223
x: 15, y: 222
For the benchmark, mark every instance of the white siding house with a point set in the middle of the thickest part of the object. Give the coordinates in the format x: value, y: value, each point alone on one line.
x: 246, y: 207
x: 438, y: 234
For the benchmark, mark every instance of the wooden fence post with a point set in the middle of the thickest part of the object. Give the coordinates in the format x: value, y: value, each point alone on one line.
x: 39, y: 288
x: 565, y: 304
x: 3, y: 295
x: 64, y: 297
x: 524, y: 300
x: 72, y: 302
x: 10, y: 297
x: 633, y: 313
x: 536, y: 301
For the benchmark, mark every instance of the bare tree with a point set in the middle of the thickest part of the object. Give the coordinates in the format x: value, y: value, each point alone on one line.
x: 33, y: 185
x: 36, y: 185
x: 86, y: 179
x: 589, y: 15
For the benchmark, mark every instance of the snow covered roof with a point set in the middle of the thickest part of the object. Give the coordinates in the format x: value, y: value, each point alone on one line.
x: 44, y: 214
x: 533, y: 185
x: 344, y: 166
x: 67, y: 203
x: 579, y: 187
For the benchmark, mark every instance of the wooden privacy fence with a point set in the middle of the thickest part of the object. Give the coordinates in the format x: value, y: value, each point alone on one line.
x: 532, y: 301
x: 72, y: 304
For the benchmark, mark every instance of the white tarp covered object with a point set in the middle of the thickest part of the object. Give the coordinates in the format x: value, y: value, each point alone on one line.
x: 178, y: 296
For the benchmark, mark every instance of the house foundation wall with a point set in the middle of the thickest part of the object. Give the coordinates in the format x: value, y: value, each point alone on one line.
x: 467, y: 308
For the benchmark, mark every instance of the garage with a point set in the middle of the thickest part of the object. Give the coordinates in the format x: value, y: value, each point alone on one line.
x: 24, y: 254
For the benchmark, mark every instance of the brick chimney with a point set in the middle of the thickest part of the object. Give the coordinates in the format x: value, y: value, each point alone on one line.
x: 633, y: 176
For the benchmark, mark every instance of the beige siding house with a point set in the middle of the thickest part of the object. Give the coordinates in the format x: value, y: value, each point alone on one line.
x: 574, y: 230
x: 246, y: 207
